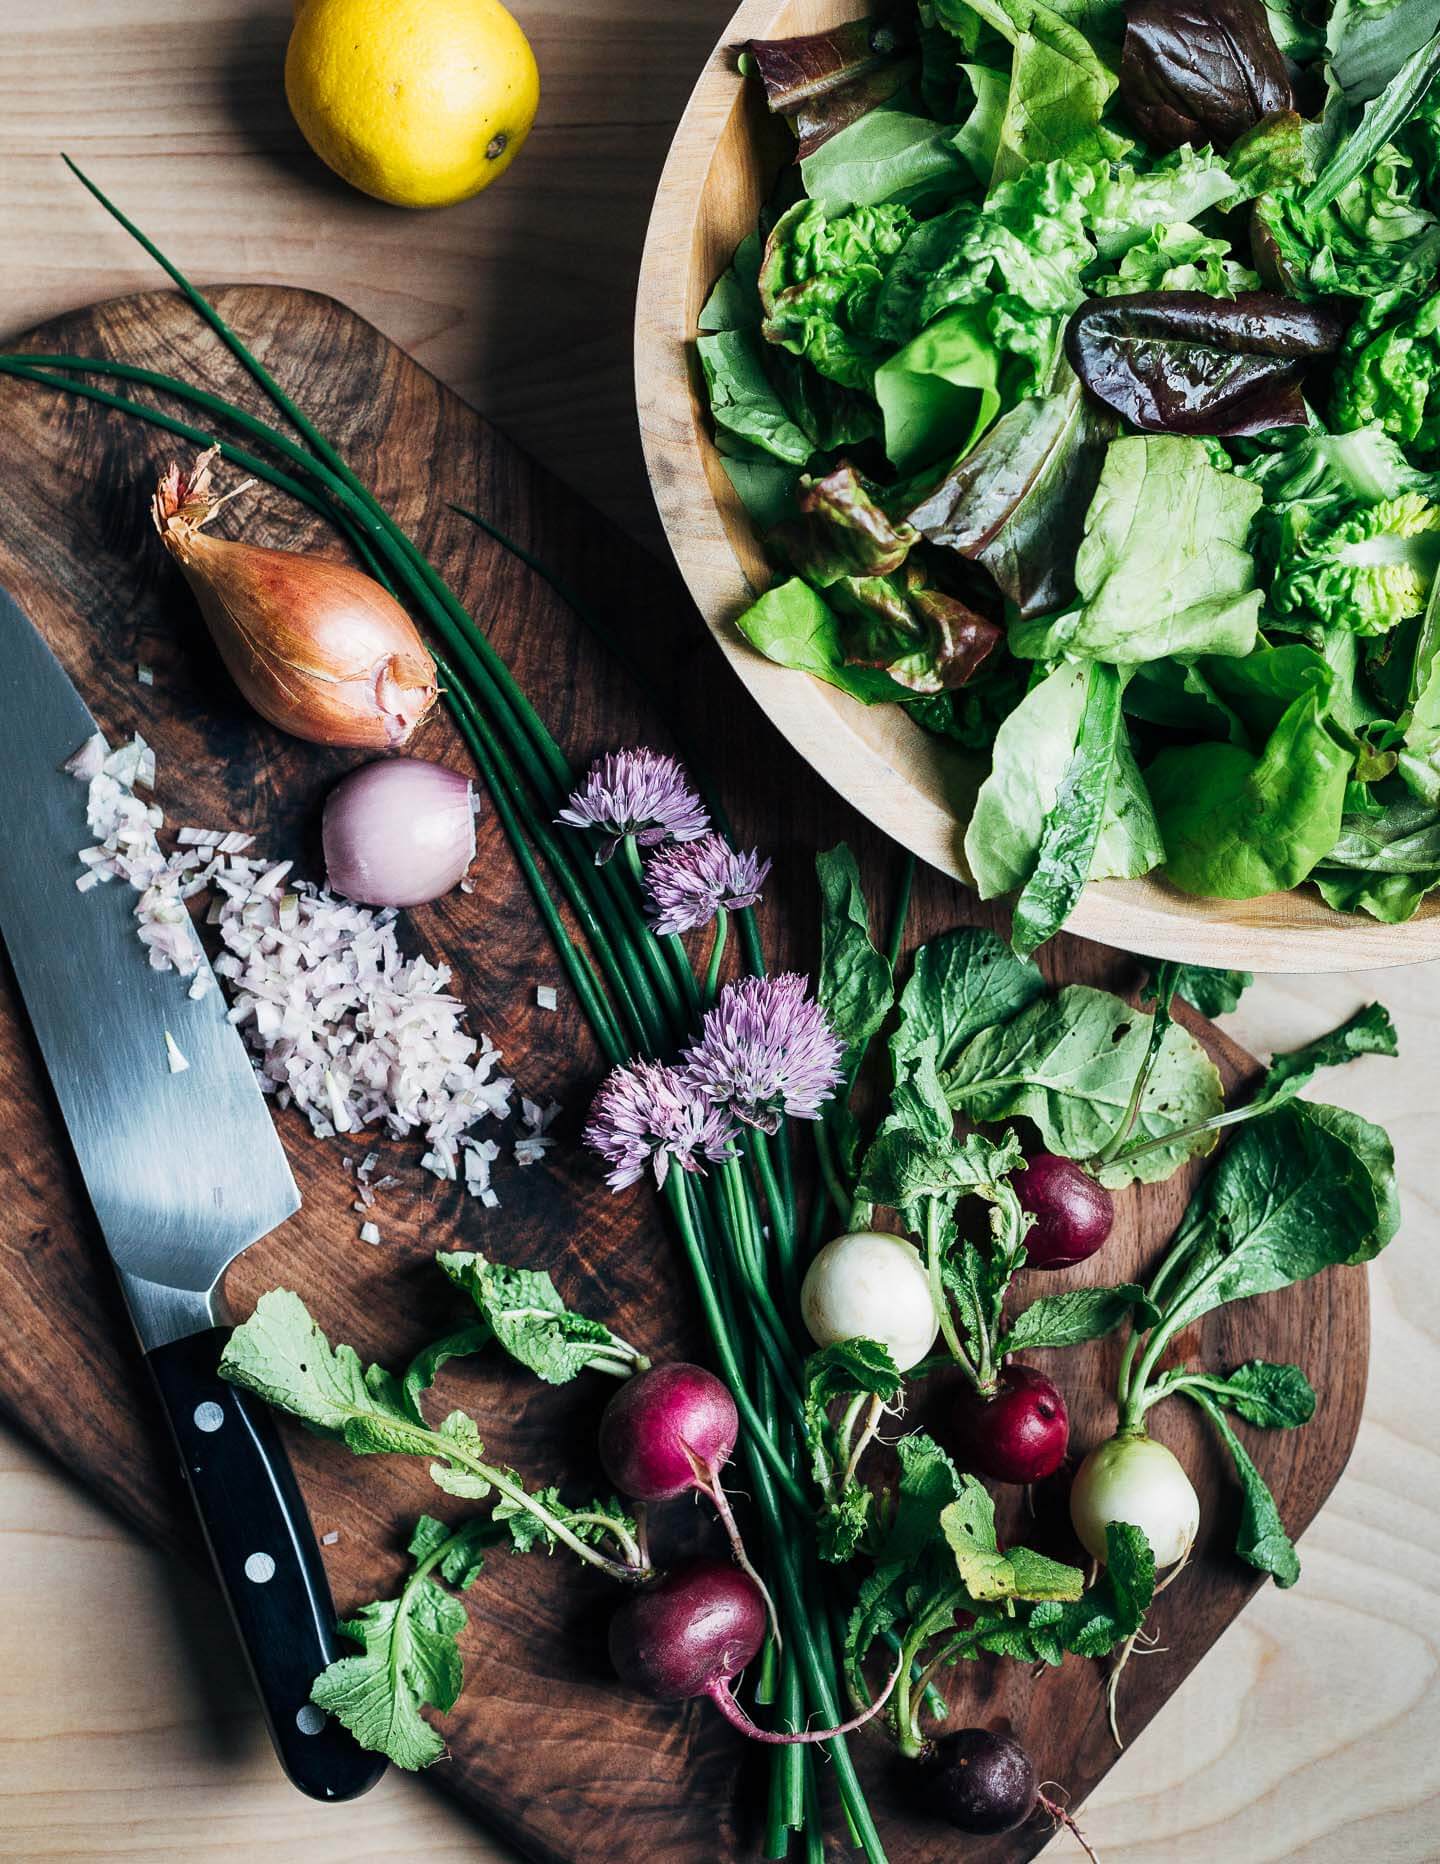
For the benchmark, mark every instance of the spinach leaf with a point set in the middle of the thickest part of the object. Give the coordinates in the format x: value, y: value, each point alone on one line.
x: 1016, y: 502
x: 940, y: 392
x: 885, y: 156
x: 1071, y: 1318
x: 743, y: 399
x: 1069, y: 1063
x: 1383, y: 116
x: 1367, y: 44
x: 1308, y: 1187
x: 1029, y: 760
x: 1163, y: 570
x: 1182, y: 362
x: 1198, y: 74
x: 964, y: 981
x: 1261, y: 1541
x: 1072, y: 829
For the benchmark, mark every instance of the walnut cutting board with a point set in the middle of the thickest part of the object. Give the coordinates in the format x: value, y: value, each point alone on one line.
x: 545, y: 1746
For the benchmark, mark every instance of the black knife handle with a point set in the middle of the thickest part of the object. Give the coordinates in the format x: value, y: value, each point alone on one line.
x: 264, y: 1550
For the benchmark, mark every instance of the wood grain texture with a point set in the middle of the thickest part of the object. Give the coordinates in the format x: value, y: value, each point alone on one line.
x: 544, y: 1744
x: 721, y: 168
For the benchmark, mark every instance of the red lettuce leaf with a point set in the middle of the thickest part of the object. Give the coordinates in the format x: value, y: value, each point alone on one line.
x: 1016, y: 503
x: 921, y: 636
x: 1200, y: 73
x: 1182, y: 362
x: 841, y: 531
x: 797, y: 71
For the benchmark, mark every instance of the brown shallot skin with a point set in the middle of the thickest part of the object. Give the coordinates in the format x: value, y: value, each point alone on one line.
x: 317, y: 648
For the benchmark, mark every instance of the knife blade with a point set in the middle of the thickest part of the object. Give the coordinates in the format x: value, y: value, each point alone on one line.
x: 183, y: 1171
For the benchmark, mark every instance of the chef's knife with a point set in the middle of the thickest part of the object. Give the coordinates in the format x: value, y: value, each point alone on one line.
x: 183, y: 1170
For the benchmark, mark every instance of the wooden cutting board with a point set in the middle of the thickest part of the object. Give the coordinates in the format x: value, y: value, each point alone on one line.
x: 545, y: 1746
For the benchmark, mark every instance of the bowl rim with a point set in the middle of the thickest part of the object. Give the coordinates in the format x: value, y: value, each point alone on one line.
x: 869, y: 760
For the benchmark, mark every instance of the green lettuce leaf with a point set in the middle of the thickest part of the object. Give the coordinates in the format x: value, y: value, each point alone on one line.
x: 940, y: 392
x: 1239, y: 823
x: 1163, y: 570
x: 1058, y: 85
x: 884, y: 156
x: 819, y: 281
x: 793, y: 626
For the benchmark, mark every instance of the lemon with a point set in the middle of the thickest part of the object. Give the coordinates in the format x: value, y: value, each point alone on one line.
x: 419, y: 102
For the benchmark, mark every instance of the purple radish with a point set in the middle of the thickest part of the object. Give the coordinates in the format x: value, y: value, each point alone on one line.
x: 984, y: 1783
x: 1020, y: 1433
x: 1073, y: 1214
x: 670, y: 1430
x: 693, y: 1633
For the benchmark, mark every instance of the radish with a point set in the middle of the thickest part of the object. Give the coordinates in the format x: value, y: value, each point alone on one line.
x: 1073, y: 1215
x: 693, y: 1633
x: 1018, y: 1434
x: 670, y: 1430
x: 984, y: 1784
x: 870, y: 1286
x: 1134, y: 1479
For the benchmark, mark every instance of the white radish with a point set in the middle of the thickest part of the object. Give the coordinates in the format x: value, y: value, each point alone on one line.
x: 1136, y: 1480
x: 870, y: 1286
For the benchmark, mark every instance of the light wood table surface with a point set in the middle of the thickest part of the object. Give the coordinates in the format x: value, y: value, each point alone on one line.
x: 126, y: 1725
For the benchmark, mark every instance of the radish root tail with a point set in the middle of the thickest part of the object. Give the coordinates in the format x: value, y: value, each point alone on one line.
x: 724, y: 1699
x: 714, y: 1489
x: 1062, y: 1817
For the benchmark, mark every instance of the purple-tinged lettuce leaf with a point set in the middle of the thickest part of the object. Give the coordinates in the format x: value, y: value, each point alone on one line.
x: 1193, y: 73
x: 1182, y: 362
x: 1017, y: 502
x: 841, y: 531
x: 798, y: 71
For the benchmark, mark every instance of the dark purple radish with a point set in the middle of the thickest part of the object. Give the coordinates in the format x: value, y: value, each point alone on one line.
x: 1073, y: 1214
x: 670, y: 1430
x: 981, y: 1783
x: 693, y: 1633
x: 984, y: 1784
x: 1020, y: 1434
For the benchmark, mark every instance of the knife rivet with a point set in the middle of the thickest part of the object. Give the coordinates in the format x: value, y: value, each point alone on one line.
x: 259, y: 1567
x: 309, y: 1718
x: 209, y: 1416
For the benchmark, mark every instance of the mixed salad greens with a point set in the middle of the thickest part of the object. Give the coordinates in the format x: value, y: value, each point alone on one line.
x: 1081, y: 378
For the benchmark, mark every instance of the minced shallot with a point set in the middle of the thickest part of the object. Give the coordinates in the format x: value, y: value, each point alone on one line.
x: 342, y: 1025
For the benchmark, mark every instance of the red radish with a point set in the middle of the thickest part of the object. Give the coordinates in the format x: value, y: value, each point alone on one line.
x: 1073, y: 1214
x: 672, y: 1429
x: 667, y: 1430
x: 693, y: 1633
x: 1018, y: 1435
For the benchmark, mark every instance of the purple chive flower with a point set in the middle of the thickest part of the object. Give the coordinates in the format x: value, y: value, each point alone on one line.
x: 637, y: 793
x: 648, y: 1113
x: 686, y: 887
x: 767, y: 1048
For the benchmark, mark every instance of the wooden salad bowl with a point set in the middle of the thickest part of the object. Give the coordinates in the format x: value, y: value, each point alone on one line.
x: 722, y: 164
